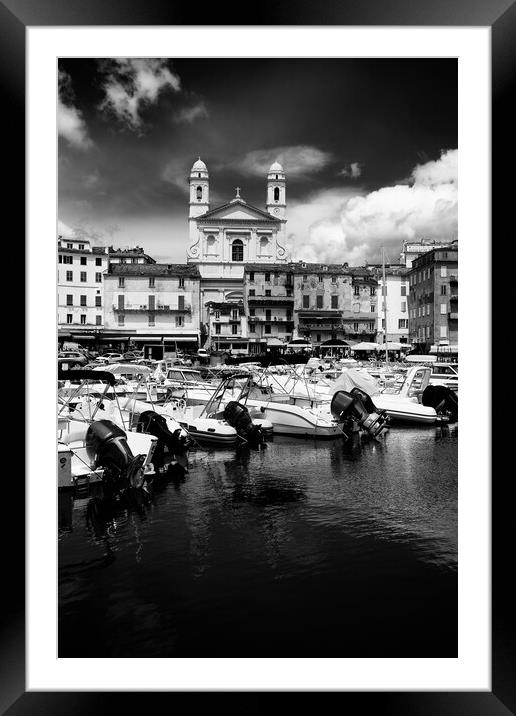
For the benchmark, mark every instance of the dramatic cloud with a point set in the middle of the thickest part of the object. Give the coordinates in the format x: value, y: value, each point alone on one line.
x: 176, y: 172
x: 296, y: 161
x: 64, y: 230
x: 70, y: 122
x: 97, y: 236
x: 130, y: 85
x: 190, y: 114
x: 335, y: 226
x: 353, y: 170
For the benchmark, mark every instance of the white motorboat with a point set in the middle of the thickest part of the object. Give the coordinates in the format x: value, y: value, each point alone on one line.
x: 81, y: 461
x: 224, y: 405
x: 101, y: 439
x: 287, y: 415
x: 187, y: 383
x: 400, y: 401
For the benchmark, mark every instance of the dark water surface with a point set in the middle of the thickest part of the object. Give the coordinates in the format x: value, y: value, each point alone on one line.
x: 300, y: 549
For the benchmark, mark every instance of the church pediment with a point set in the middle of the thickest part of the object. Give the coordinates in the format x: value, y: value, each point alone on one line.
x: 236, y: 211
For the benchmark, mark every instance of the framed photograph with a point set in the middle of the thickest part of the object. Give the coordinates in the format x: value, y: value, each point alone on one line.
x: 257, y: 229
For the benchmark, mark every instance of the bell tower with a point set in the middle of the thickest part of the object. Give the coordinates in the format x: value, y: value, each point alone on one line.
x: 276, y: 192
x: 199, y: 189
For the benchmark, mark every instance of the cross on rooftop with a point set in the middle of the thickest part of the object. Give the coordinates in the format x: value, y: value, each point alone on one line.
x: 238, y: 192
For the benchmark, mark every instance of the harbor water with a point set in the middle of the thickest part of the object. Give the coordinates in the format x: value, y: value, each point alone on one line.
x: 298, y: 549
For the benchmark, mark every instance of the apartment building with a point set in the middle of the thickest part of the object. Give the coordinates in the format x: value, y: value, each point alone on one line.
x: 151, y: 304
x: 433, y: 300
x: 392, y: 302
x: 269, y: 305
x: 80, y: 290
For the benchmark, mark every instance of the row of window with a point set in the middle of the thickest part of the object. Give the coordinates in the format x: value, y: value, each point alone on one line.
x: 180, y: 321
x: 69, y: 319
x: 425, y: 332
x: 288, y: 315
x: 83, y: 260
x: 151, y: 302
x: 419, y: 276
x: 152, y: 282
x: 421, y: 311
x: 82, y: 300
x: 234, y: 329
x: 84, y: 277
x: 403, y: 290
x: 252, y: 292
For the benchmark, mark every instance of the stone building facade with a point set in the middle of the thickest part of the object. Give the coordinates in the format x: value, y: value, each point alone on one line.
x: 224, y: 238
x: 153, y: 304
x: 433, y: 299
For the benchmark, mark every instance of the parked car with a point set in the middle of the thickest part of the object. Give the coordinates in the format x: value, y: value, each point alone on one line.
x: 73, y: 357
x: 132, y: 355
x: 202, y: 353
x: 110, y: 358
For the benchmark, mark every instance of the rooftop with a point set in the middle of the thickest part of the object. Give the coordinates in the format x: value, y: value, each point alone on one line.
x: 154, y: 269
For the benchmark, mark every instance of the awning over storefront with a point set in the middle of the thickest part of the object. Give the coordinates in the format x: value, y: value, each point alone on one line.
x: 393, y: 346
x: 364, y: 346
x: 334, y: 343
x: 453, y: 348
x: 166, y: 339
x: 275, y: 342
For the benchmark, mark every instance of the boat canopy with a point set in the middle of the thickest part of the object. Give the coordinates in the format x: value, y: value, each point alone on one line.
x: 351, y: 378
x: 125, y: 369
x: 81, y: 375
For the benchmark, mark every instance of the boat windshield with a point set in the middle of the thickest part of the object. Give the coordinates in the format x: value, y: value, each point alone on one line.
x: 192, y: 376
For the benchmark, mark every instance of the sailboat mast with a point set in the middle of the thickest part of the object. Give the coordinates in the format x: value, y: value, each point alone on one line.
x: 384, y: 297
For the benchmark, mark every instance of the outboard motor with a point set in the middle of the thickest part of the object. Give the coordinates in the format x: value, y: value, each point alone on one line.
x: 106, y: 446
x: 442, y: 399
x: 238, y: 417
x: 154, y: 424
x: 360, y: 410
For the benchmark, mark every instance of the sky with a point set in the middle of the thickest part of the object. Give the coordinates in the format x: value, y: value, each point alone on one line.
x: 369, y: 148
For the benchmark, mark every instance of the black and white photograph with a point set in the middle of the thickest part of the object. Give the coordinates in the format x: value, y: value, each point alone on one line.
x: 258, y: 365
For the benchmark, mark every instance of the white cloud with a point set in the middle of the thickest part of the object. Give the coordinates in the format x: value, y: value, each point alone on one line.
x: 336, y: 226
x: 70, y: 122
x: 353, y: 170
x: 132, y: 84
x: 296, y: 160
x: 191, y: 113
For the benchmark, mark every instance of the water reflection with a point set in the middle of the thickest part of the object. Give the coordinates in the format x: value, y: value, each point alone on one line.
x: 334, y: 524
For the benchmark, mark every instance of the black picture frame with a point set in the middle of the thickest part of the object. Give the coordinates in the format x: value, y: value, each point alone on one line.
x: 500, y: 15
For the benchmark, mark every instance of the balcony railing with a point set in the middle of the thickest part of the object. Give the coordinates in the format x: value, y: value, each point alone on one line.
x: 272, y: 319
x: 144, y: 308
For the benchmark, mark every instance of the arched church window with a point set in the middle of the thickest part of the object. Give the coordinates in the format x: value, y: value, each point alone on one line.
x: 199, y: 193
x: 276, y: 193
x: 237, y: 250
x: 199, y: 175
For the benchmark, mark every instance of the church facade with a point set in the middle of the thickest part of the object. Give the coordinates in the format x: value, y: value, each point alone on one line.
x: 223, y: 239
